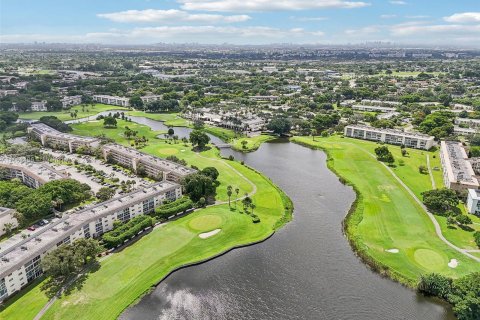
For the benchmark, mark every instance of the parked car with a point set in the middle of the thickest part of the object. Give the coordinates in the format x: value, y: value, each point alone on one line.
x: 31, y: 228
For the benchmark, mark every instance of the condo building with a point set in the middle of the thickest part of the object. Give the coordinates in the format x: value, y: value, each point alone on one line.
x: 458, y: 173
x: 361, y: 107
x: 391, y: 136
x: 20, y: 262
x: 60, y: 140
x: 153, y: 166
x: 7, y: 217
x: 32, y: 174
x: 112, y: 100
x: 473, y: 201
x: 69, y: 101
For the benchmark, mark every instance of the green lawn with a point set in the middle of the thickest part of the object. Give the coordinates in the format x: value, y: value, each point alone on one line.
x: 386, y: 216
x: 64, y: 115
x: 253, y: 143
x: 125, y: 276
x: 170, y: 119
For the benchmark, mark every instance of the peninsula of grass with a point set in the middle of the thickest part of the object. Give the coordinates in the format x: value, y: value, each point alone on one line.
x: 125, y: 276
x: 83, y: 111
x: 252, y: 143
x: 385, y: 216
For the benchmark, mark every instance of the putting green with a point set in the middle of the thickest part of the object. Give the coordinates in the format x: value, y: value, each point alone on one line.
x: 168, y: 151
x: 430, y: 259
x: 206, y: 223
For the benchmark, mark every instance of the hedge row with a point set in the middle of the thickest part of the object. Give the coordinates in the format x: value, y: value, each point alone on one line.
x: 175, y: 207
x: 126, y: 231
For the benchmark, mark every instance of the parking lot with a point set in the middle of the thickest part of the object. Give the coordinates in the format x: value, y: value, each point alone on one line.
x: 108, y: 172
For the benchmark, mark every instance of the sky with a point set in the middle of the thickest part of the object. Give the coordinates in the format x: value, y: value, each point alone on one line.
x: 427, y: 22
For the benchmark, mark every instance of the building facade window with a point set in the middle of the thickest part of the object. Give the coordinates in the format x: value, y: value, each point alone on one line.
x: 3, y: 289
x: 148, y: 205
x: 124, y: 215
x: 33, y: 269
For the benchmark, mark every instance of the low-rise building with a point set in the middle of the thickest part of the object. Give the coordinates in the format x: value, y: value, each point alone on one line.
x: 20, y: 263
x: 151, y: 98
x: 112, y: 100
x: 139, y: 161
x: 362, y: 107
x: 7, y: 217
x: 458, y: 173
x: 473, y: 201
x: 69, y: 101
x: 39, y: 106
x: 391, y: 136
x: 4, y: 93
x: 60, y: 140
x: 32, y: 174
x: 470, y: 123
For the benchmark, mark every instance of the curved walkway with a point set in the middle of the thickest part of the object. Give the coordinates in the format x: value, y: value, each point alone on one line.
x: 438, y: 229
x: 434, y: 186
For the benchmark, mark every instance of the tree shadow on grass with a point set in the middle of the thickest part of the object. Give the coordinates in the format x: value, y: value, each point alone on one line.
x: 52, y: 287
x: 466, y: 228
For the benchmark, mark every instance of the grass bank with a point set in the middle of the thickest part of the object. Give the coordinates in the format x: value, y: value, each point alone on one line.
x: 251, y: 144
x: 384, y: 217
x: 129, y: 274
x: 83, y: 111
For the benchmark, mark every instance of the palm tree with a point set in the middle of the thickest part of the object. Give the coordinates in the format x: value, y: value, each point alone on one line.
x: 229, y: 194
x: 237, y: 191
x: 247, y: 201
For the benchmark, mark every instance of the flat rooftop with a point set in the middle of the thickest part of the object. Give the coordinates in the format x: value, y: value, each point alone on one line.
x: 392, y: 131
x: 5, y: 211
x: 149, y: 159
x: 16, y: 255
x: 458, y: 168
x: 40, y: 170
x: 42, y: 128
x: 363, y: 106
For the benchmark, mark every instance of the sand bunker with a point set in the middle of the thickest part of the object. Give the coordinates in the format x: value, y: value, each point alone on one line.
x: 453, y: 263
x: 209, y: 234
x: 393, y: 250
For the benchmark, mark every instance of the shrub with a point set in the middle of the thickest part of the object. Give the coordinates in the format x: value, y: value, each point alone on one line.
x: 168, y: 209
x: 435, y: 285
x: 126, y: 230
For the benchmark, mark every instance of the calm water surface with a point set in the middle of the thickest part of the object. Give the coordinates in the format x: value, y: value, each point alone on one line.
x: 305, y: 271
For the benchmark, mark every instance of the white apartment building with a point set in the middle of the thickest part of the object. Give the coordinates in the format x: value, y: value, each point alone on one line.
x: 264, y: 98
x: 153, y: 166
x: 69, y: 101
x: 151, y: 98
x: 391, y: 136
x: 39, y: 106
x: 20, y: 261
x: 112, y: 100
x: 32, y: 174
x: 60, y: 140
x: 362, y: 107
x: 471, y: 123
x: 7, y: 217
x: 473, y: 201
x: 458, y: 173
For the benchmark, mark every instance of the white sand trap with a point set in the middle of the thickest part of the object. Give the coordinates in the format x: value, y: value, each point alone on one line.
x: 453, y: 263
x: 209, y: 234
x: 393, y: 250
x: 183, y: 150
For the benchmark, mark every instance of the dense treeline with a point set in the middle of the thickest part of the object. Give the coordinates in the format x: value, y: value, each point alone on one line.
x: 462, y: 293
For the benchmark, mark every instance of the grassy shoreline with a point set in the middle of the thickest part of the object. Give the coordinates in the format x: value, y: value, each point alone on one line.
x: 369, y: 244
x: 148, y: 261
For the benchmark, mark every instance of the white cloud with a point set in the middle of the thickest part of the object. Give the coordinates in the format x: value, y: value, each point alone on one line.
x: 368, y: 30
x: 446, y: 30
x: 419, y: 16
x: 267, y: 5
x: 152, y: 15
x: 388, y: 16
x: 179, y: 34
x: 464, y: 17
x: 398, y: 2
x: 308, y: 19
